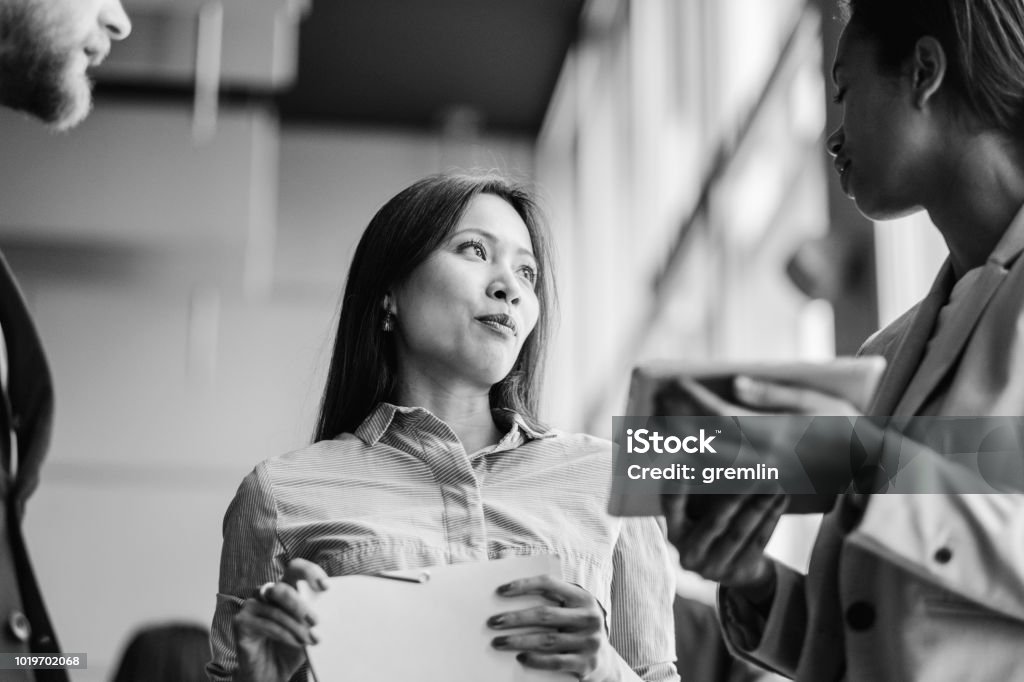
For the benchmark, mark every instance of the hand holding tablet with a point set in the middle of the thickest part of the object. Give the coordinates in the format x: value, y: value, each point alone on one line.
x: 745, y: 405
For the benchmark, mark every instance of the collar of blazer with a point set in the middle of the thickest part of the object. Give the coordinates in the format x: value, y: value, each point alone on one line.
x: 908, y: 383
x: 29, y: 386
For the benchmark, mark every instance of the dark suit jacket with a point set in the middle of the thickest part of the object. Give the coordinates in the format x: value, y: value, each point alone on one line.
x: 27, y: 410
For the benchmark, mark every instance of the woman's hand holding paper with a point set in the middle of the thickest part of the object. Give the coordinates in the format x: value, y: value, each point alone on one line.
x: 272, y: 628
x: 574, y: 641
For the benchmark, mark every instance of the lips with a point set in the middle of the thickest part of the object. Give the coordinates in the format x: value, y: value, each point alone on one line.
x: 96, y: 53
x: 503, y: 324
x: 842, y: 166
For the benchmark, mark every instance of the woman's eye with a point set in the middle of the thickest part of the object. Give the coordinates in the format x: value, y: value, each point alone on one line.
x: 477, y: 247
x: 529, y: 274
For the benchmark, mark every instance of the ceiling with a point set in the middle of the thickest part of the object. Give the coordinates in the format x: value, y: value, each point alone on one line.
x: 410, y: 62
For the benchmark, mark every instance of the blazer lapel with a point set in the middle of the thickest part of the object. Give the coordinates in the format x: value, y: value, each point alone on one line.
x: 910, y: 350
x: 925, y: 377
x: 29, y: 385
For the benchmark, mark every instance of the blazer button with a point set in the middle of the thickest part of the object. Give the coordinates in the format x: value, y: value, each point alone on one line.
x: 19, y: 627
x: 860, y: 615
x: 943, y: 555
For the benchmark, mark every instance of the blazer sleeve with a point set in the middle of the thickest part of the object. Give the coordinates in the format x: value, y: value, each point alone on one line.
x: 771, y: 640
x: 964, y: 543
x: 641, y: 625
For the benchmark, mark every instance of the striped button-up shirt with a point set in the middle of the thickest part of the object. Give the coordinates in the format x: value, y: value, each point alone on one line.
x: 402, y: 493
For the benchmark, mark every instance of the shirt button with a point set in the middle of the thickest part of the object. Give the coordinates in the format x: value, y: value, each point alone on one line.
x: 943, y: 555
x: 20, y: 628
x: 860, y: 615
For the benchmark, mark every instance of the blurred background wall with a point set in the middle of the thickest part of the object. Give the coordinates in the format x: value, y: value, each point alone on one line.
x: 184, y: 250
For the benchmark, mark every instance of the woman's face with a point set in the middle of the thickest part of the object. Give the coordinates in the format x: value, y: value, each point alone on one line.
x: 463, y: 315
x: 880, y: 146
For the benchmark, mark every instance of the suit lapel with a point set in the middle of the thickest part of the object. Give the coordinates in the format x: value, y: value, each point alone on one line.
x: 946, y: 348
x: 910, y: 349
x: 916, y: 377
x: 29, y: 386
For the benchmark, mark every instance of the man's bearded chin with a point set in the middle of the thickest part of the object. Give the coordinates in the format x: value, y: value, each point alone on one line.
x: 35, y: 77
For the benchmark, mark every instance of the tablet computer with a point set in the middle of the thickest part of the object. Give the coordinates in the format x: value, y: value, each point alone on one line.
x: 852, y: 378
x: 656, y: 390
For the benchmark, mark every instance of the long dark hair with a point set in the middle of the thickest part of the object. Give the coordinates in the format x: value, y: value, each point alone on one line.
x: 984, y: 44
x: 403, y: 233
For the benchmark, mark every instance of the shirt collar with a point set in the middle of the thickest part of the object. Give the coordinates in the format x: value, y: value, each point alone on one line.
x: 386, y: 414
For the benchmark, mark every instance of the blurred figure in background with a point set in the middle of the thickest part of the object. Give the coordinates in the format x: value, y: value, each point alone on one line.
x: 925, y: 587
x: 46, y: 48
x: 173, y: 652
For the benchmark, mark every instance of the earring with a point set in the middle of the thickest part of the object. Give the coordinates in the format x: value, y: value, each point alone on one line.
x: 389, y: 321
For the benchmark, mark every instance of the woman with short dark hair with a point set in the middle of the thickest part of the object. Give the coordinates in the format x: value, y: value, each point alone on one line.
x: 429, y: 451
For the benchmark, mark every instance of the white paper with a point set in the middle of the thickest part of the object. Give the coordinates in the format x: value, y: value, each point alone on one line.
x: 372, y: 628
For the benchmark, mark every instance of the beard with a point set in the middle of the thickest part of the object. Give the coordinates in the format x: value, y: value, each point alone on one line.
x: 37, y: 75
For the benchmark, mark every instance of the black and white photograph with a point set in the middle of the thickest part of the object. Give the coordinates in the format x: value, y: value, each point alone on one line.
x: 511, y: 340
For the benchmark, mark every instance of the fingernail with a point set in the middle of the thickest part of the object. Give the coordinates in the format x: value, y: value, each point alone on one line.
x: 521, y: 656
x: 322, y: 584
x: 499, y: 642
x: 310, y: 620
x: 504, y: 588
x: 495, y: 621
x: 313, y: 638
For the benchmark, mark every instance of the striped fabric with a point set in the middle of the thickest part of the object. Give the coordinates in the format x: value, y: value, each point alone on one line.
x: 401, y: 493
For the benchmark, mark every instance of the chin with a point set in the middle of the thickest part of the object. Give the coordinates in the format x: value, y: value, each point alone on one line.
x: 61, y: 98
x: 495, y: 379
x: 885, y: 214
x: 72, y: 104
x: 493, y: 374
x: 874, y: 208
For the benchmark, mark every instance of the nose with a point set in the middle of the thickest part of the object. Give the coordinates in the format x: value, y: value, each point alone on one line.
x: 834, y: 143
x: 114, y: 20
x: 505, y: 287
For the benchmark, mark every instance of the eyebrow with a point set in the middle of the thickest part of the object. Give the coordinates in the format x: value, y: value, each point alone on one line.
x: 522, y: 250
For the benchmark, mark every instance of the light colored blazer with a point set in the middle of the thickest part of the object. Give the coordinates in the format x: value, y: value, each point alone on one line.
x: 927, y: 587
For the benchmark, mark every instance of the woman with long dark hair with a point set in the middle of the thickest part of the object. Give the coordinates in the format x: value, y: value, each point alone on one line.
x: 428, y: 451
x: 925, y: 587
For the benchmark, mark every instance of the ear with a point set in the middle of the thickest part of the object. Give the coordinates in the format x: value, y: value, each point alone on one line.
x: 927, y: 70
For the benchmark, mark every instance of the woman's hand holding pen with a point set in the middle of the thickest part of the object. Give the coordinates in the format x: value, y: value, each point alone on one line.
x: 272, y: 629
x: 574, y: 641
